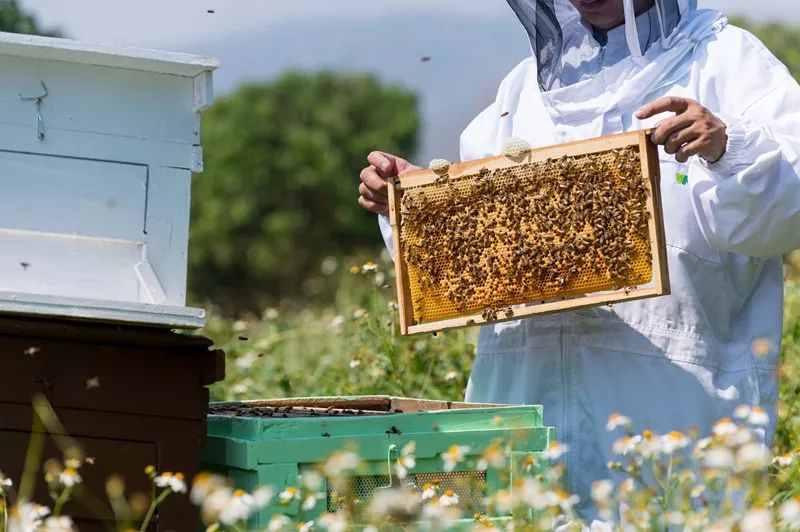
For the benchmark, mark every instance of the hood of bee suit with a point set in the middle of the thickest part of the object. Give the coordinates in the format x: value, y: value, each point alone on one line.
x: 564, y: 46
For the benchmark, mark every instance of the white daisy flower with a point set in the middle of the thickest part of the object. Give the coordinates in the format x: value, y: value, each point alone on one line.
x: 309, y: 503
x: 616, y: 421
x: 341, y: 462
x: 334, y: 522
x: 784, y: 460
x: 58, y: 524
x: 449, y: 498
x: 741, y: 412
x: 453, y: 456
x: 602, y: 490
x: 718, y: 458
x: 278, y: 523
x: 555, y: 451
x: 626, y: 445
x: 724, y: 427
x: 69, y: 477
x: 790, y: 514
x: 428, y: 491
x: 174, y: 481
x: 288, y: 495
x: 752, y: 456
x: 759, y: 416
x: 240, y: 507
x: 758, y: 520
x: 369, y: 267
x: 674, y: 441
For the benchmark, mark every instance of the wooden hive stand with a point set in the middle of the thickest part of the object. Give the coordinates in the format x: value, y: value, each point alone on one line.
x: 129, y: 396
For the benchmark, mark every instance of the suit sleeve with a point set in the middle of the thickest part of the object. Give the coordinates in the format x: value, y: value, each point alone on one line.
x: 749, y: 201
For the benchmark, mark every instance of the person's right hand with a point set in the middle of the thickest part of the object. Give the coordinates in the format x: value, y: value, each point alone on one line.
x: 373, y: 191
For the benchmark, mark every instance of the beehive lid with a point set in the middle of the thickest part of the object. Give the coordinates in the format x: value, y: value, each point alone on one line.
x: 67, y: 50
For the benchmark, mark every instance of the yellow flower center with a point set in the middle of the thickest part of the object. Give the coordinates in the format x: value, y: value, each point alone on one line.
x: 71, y: 472
x: 179, y: 476
x: 449, y: 493
x: 239, y: 493
x: 676, y: 435
x: 647, y: 434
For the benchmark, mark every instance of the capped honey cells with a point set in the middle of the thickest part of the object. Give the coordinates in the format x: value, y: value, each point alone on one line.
x: 483, y: 243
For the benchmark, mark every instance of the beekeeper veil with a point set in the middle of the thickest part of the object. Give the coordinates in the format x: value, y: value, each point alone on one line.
x: 563, y: 44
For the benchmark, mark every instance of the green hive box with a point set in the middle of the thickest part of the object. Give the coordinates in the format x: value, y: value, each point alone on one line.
x: 273, y: 443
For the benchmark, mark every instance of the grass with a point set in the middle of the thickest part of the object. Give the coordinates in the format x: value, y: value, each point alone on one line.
x: 352, y: 346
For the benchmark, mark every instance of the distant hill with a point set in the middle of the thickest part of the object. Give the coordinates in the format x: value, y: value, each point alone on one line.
x: 469, y: 58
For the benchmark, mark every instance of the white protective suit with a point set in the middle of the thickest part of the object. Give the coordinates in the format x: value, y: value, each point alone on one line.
x: 683, y: 360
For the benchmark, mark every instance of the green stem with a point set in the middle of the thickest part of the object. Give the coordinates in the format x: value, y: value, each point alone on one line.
x: 152, y: 510
x: 61, y: 500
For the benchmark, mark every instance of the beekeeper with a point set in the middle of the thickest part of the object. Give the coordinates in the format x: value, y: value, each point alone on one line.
x: 726, y: 115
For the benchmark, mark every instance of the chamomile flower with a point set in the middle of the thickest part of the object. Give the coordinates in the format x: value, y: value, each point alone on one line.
x: 27, y: 517
x: 453, y: 456
x: 718, y: 458
x: 674, y: 441
x: 369, y: 267
x: 406, y: 460
x: 278, y: 522
x: 758, y: 520
x: 5, y: 484
x: 752, y: 456
x: 288, y: 495
x: 493, y: 457
x: 449, y: 498
x: 758, y: 417
x: 58, y: 524
x: 724, y: 428
x: 602, y: 490
x: 555, y: 451
x: 309, y: 503
x: 616, y: 421
x: 790, y: 514
x: 69, y: 477
x: 741, y: 412
x: 173, y: 481
x: 626, y: 445
x: 340, y: 463
x: 428, y: 491
x: 784, y: 460
x: 334, y: 522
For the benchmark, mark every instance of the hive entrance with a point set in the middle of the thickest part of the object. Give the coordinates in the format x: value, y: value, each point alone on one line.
x: 479, y: 241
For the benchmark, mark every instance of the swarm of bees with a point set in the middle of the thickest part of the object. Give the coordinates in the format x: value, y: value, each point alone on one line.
x: 481, y: 243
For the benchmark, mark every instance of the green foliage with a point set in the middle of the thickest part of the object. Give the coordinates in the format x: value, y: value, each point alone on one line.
x: 782, y: 40
x: 14, y: 20
x: 350, y: 347
x: 279, y: 189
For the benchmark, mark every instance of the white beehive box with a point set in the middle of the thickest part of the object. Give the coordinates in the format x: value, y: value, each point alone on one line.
x: 95, y: 179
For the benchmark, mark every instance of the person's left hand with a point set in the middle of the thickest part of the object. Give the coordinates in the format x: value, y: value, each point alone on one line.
x: 694, y: 130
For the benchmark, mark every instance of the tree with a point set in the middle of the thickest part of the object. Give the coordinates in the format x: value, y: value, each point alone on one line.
x: 14, y: 20
x: 279, y: 190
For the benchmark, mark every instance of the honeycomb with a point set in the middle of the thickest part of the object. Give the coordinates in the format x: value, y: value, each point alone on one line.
x: 486, y: 242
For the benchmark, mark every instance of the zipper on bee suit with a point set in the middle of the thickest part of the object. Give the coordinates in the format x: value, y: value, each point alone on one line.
x: 566, y: 423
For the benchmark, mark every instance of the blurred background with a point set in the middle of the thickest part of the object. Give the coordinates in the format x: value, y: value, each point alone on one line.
x: 300, y: 295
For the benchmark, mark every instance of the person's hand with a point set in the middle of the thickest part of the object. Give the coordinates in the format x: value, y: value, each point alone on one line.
x: 373, y: 190
x: 694, y: 130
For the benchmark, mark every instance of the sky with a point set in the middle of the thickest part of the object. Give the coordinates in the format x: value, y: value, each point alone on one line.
x: 167, y: 23
x: 473, y: 43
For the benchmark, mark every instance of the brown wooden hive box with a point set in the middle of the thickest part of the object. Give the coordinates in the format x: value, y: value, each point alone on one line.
x: 146, y: 404
x: 534, y: 232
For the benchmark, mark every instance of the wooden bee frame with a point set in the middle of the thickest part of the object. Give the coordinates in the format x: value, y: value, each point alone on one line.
x: 652, y: 236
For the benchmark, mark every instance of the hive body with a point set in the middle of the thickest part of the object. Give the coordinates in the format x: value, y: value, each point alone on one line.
x: 554, y: 229
x: 97, y: 148
x: 275, y: 443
